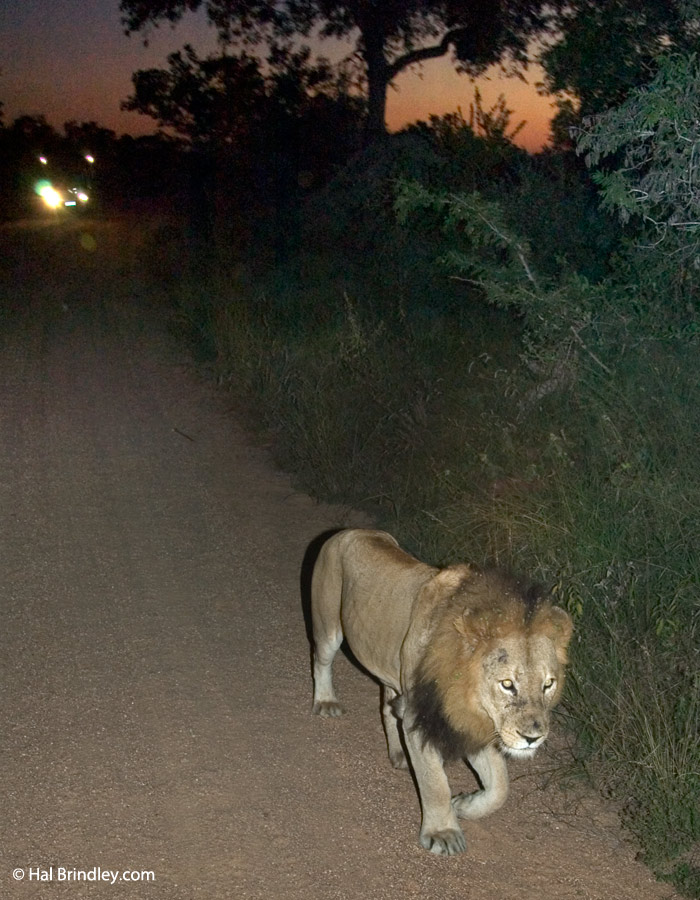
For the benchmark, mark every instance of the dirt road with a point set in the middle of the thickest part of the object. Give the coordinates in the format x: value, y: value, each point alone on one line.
x: 155, y: 666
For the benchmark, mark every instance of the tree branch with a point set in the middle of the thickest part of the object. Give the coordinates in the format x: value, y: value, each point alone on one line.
x: 420, y: 55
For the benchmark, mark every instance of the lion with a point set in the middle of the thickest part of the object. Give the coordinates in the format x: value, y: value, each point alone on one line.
x: 470, y: 663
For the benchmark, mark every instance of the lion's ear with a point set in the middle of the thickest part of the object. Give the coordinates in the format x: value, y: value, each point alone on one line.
x: 445, y: 583
x: 556, y: 624
x: 453, y: 577
x: 476, y: 625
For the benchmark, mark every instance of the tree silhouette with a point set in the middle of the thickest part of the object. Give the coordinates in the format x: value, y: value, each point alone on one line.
x: 605, y: 50
x: 389, y: 35
x: 231, y: 101
x: 214, y: 100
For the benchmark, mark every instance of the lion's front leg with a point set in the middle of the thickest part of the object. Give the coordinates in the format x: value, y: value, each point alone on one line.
x: 491, y: 768
x: 440, y: 832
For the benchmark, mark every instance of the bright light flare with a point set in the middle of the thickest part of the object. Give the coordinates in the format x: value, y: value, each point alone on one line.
x: 89, y: 158
x: 82, y: 196
x: 43, y: 160
x: 51, y: 198
x: 49, y: 194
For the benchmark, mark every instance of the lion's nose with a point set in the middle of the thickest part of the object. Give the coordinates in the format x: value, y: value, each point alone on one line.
x: 531, y: 739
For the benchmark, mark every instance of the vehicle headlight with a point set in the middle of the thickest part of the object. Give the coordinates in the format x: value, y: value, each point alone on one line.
x: 50, y: 196
x: 82, y: 196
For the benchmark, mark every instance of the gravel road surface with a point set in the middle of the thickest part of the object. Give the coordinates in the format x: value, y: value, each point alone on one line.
x: 155, y: 682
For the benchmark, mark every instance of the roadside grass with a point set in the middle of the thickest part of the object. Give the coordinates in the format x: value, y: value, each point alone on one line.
x: 419, y: 411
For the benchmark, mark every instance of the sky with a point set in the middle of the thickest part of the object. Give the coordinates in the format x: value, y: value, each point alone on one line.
x: 70, y: 60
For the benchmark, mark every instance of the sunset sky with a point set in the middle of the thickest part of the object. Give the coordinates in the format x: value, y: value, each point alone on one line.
x: 69, y: 59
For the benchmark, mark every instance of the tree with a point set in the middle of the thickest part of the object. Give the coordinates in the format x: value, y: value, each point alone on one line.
x: 89, y: 137
x: 35, y: 133
x: 390, y: 35
x: 212, y: 100
x: 228, y: 101
x: 605, y: 50
x: 644, y: 153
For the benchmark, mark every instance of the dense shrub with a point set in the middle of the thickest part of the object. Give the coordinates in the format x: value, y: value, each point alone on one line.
x: 537, y: 408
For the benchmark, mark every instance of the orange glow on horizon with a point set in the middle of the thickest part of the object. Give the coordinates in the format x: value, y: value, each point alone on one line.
x: 42, y: 78
x: 438, y: 89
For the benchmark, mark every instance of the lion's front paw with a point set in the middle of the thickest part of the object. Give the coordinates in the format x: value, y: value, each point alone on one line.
x: 446, y: 842
x: 327, y: 708
x: 481, y: 803
x: 462, y: 804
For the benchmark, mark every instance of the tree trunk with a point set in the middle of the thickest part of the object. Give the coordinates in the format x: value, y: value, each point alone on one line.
x: 377, y: 84
x: 380, y: 73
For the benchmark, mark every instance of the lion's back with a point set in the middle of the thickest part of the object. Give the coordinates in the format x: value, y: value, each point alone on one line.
x: 373, y: 584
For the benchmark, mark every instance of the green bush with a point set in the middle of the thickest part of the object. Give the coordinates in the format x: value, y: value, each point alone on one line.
x: 588, y: 491
x: 615, y: 515
x: 524, y: 408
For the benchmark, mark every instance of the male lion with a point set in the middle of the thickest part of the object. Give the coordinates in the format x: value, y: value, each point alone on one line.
x: 469, y: 661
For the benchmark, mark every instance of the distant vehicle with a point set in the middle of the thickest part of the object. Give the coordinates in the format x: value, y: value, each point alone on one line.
x: 60, y: 197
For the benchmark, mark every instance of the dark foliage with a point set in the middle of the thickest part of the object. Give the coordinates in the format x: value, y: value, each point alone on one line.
x: 390, y: 36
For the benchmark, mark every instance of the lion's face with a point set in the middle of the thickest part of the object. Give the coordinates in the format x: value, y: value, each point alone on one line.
x: 521, y: 681
x: 497, y: 661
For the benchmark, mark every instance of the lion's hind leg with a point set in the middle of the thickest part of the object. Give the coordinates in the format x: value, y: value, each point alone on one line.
x: 326, y: 588
x: 325, y: 700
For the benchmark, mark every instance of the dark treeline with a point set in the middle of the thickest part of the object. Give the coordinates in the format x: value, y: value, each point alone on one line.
x: 237, y: 151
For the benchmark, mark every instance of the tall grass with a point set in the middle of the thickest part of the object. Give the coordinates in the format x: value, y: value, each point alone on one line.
x: 384, y: 383
x: 597, y: 491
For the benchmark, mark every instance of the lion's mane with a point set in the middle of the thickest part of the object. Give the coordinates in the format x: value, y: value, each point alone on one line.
x: 485, y: 608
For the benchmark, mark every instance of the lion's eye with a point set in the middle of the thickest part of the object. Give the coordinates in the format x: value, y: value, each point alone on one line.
x: 549, y: 683
x: 508, y: 685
